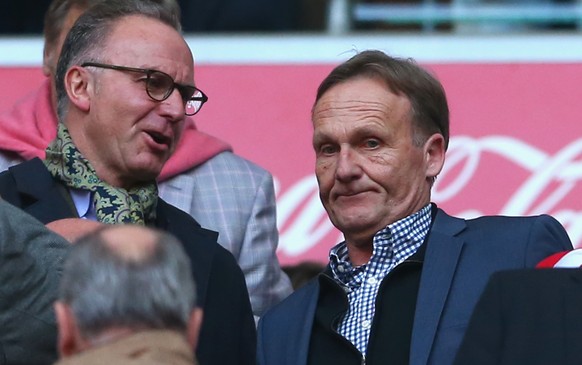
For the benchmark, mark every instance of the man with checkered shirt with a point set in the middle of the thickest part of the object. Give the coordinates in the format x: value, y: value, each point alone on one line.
x: 401, y: 288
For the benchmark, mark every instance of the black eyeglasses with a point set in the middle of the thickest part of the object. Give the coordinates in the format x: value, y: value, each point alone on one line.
x: 159, y: 86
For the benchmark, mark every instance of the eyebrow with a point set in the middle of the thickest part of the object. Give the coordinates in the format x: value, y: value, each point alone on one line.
x: 318, y: 139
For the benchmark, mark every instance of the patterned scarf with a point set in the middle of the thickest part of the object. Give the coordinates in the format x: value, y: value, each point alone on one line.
x: 112, y: 204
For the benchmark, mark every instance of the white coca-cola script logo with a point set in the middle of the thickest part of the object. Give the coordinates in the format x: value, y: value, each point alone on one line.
x: 549, y: 187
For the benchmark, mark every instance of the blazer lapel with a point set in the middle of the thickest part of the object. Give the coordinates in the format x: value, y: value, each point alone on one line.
x: 290, y: 335
x: 51, y: 207
x: 440, y: 263
x: 299, y: 351
x: 46, y: 199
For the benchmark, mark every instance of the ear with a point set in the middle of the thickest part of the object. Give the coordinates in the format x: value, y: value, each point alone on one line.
x: 194, y: 327
x: 67, y: 337
x: 79, y: 86
x: 434, y: 151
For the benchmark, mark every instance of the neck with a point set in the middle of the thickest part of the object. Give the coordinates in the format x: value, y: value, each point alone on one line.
x: 108, y: 336
x: 360, y: 254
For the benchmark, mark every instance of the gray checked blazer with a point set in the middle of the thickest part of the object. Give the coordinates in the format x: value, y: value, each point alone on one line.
x: 236, y: 198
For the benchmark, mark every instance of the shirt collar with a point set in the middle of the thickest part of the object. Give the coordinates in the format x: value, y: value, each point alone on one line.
x: 403, y: 236
x: 82, y: 200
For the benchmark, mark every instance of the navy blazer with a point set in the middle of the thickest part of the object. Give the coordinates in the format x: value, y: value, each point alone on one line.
x: 460, y: 256
x: 222, y: 293
x: 529, y: 316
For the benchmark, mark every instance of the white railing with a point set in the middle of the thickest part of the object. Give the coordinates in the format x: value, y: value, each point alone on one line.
x: 344, y: 14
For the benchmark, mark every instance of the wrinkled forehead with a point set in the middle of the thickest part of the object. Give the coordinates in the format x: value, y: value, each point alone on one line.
x: 360, y: 94
x: 146, y: 42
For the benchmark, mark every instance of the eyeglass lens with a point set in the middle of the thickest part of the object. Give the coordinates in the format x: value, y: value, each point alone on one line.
x: 194, y: 103
x: 160, y: 86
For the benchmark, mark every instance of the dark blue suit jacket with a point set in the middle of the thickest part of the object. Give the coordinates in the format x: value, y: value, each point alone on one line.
x: 460, y: 257
x: 528, y: 316
x: 222, y: 293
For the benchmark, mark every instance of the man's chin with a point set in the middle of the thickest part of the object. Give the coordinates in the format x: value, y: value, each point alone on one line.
x: 147, y: 172
x: 353, y: 224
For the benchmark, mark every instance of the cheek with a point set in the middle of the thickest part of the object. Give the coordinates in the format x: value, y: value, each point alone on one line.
x: 178, y: 130
x: 324, y: 172
x: 323, y: 164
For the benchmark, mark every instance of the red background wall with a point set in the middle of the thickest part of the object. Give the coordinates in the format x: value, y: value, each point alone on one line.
x: 516, y: 143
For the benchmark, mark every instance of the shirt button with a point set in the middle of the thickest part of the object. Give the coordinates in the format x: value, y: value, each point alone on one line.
x: 340, y: 268
x: 372, y: 281
x: 366, y: 323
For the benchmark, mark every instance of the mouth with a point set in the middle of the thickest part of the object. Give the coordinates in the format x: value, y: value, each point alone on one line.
x: 159, y: 138
x: 351, y: 196
x: 347, y: 194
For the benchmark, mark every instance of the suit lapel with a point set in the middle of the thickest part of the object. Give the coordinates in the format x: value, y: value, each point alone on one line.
x: 46, y: 200
x: 304, y: 326
x: 51, y: 207
x: 440, y: 263
x: 291, y: 334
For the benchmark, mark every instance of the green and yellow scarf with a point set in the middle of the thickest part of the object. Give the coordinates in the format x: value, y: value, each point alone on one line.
x: 112, y: 204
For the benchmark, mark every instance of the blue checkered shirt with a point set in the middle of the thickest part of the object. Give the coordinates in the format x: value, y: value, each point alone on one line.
x: 392, y: 246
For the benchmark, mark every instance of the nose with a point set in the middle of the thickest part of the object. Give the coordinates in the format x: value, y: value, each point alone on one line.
x: 348, y: 167
x: 173, y: 107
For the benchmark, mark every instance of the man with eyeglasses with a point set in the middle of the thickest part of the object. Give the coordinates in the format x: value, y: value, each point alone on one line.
x: 124, y: 84
x: 203, y: 177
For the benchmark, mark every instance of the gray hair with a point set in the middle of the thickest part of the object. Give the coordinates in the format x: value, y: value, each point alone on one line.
x: 106, y: 290
x: 87, y: 38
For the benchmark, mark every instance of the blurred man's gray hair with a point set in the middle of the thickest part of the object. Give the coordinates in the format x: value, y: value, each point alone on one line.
x: 112, y: 279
